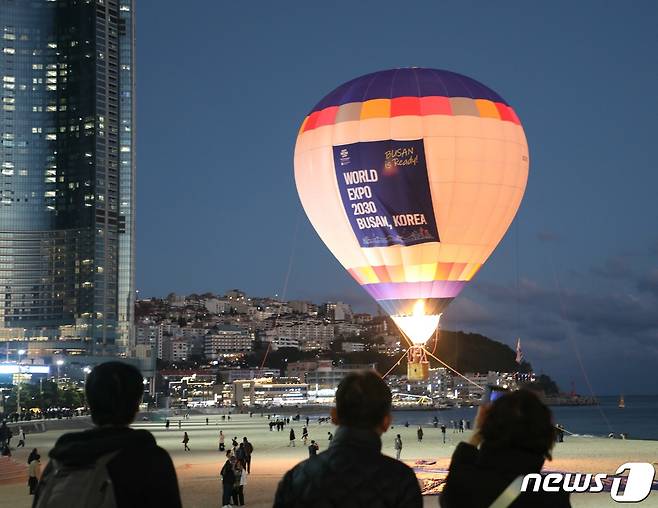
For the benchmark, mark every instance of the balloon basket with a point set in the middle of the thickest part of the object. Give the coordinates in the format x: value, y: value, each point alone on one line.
x: 418, y: 368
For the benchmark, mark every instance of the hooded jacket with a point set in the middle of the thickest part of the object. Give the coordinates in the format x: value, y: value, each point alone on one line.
x: 142, y: 473
x: 350, y: 473
x: 478, y: 476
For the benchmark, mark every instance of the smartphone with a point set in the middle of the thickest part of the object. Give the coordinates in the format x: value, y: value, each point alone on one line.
x: 492, y: 392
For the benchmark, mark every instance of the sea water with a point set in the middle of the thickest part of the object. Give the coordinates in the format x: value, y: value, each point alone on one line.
x: 639, y: 419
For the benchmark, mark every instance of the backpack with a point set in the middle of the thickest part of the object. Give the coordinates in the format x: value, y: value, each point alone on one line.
x: 77, y: 486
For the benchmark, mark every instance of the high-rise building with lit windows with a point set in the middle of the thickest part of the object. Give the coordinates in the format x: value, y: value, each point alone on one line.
x: 67, y: 182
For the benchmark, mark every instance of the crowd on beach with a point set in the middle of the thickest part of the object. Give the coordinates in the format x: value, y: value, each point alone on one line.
x: 513, y: 436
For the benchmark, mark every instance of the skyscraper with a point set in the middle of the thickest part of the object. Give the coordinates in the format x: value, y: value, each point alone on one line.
x: 67, y: 182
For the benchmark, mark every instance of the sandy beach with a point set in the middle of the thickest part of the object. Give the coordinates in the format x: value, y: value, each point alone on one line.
x: 198, y: 470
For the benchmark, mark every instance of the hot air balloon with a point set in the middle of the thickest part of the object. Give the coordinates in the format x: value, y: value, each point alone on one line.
x: 411, y: 178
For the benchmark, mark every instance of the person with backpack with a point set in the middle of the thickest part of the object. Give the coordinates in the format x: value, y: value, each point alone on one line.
x: 110, y: 465
x: 33, y: 472
x: 186, y: 439
x: 228, y: 479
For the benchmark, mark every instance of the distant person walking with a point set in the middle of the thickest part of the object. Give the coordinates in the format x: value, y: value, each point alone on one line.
x: 330, y: 436
x: 21, y: 438
x: 443, y: 432
x: 397, y: 444
x: 313, y: 449
x: 292, y: 438
x: 305, y: 435
x: 33, y: 473
x: 186, y: 439
x: 240, y: 453
x: 248, y: 450
x: 419, y: 433
x: 167, y: 424
x: 221, y: 441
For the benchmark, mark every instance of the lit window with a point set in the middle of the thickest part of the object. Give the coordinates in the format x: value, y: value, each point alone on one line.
x: 51, y: 137
x: 10, y: 51
x: 9, y: 37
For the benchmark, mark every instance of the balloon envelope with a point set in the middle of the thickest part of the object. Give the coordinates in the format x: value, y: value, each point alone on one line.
x: 411, y: 178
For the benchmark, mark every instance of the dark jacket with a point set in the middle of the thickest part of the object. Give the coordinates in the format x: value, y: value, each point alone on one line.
x: 477, y: 477
x: 351, y: 473
x: 142, y: 473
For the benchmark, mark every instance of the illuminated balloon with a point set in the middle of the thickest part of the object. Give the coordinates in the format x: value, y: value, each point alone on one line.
x: 411, y: 178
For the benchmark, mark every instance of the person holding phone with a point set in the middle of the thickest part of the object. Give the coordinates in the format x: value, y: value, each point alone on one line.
x: 514, y: 435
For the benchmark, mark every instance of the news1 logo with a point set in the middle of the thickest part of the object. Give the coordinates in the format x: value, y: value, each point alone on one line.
x: 638, y: 482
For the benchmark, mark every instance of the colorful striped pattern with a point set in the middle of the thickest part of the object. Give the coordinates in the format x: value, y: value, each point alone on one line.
x: 408, y: 92
x: 409, y: 106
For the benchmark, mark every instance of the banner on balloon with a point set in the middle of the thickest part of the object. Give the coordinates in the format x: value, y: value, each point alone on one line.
x: 385, y: 192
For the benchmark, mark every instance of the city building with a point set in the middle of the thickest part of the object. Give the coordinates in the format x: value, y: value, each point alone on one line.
x: 217, y: 306
x: 67, y: 173
x: 283, y: 342
x: 328, y: 376
x: 175, y: 350
x: 312, y: 334
x: 269, y: 392
x: 227, y: 339
x: 336, y: 311
x: 230, y: 375
x: 353, y: 347
x: 299, y: 369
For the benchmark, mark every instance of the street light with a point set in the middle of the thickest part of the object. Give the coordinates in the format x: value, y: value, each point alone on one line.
x: 59, y: 364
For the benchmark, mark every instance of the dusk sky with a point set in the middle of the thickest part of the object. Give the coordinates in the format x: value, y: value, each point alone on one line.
x: 222, y: 88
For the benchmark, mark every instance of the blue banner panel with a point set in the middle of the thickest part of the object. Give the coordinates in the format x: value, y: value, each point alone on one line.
x: 385, y: 192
